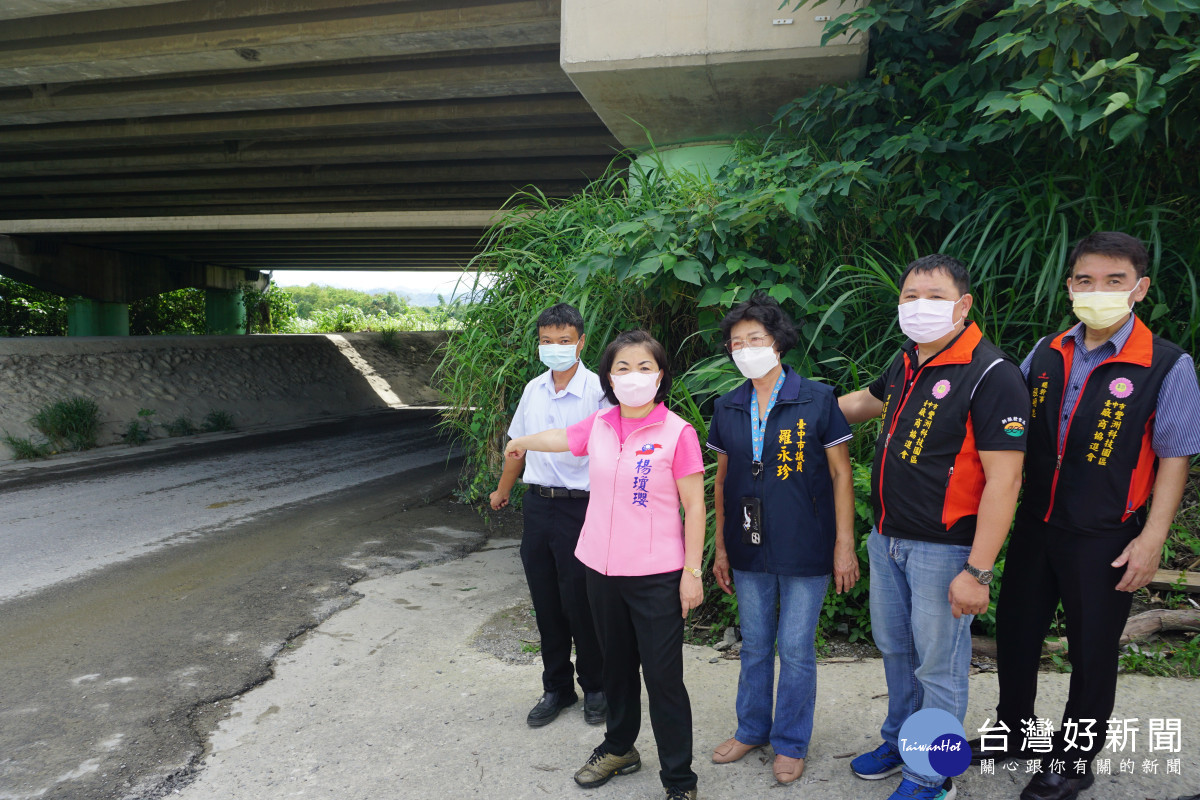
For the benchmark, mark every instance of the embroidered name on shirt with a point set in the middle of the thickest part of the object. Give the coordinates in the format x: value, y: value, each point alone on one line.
x: 1038, y: 395
x: 642, y: 477
x: 1104, y: 438
x: 915, y: 441
x: 787, y: 463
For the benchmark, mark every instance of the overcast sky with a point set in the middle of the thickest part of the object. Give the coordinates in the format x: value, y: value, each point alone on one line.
x: 405, y: 283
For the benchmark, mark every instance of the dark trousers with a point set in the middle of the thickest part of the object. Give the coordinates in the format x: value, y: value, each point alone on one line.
x: 559, y: 592
x: 639, y: 620
x: 1046, y: 564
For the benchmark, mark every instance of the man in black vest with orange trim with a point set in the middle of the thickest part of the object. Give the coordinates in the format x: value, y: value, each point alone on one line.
x: 943, y: 486
x: 1115, y: 417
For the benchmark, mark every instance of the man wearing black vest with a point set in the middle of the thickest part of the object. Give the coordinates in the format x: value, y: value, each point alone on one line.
x: 1115, y: 416
x: 943, y: 486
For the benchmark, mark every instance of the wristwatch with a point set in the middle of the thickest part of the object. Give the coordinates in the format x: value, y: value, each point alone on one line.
x: 696, y: 571
x: 984, y: 576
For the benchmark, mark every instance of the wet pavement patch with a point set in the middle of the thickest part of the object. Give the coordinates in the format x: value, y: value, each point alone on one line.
x: 110, y: 684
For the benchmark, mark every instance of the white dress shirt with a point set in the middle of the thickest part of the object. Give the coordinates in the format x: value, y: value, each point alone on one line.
x: 542, y: 408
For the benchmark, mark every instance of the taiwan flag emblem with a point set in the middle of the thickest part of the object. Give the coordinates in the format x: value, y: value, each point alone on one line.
x: 648, y: 449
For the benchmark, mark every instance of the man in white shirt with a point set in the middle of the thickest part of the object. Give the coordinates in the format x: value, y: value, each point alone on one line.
x: 554, y: 509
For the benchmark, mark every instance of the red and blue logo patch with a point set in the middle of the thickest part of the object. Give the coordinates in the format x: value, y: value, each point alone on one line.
x: 648, y: 449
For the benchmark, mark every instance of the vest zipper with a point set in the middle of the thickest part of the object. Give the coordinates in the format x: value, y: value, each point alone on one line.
x: 1061, y: 445
x: 949, y: 475
x: 895, y: 420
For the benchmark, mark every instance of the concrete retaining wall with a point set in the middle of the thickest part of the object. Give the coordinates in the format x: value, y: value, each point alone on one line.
x: 260, y: 380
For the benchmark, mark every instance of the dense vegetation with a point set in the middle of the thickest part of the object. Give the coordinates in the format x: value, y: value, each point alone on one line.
x: 998, y: 132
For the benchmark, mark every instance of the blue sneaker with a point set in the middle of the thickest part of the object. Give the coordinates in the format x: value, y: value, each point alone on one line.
x: 881, y: 762
x: 915, y: 791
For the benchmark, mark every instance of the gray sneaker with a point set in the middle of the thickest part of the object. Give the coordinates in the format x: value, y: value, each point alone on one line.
x: 601, y: 766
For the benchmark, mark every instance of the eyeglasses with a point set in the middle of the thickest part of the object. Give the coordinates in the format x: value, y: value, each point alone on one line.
x: 758, y: 340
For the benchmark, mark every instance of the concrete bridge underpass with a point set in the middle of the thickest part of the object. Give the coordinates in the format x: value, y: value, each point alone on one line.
x: 147, y: 146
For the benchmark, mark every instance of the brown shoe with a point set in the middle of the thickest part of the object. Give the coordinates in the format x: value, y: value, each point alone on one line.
x: 732, y: 750
x: 788, y: 769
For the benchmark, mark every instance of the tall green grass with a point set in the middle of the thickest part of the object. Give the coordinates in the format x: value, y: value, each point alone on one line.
x: 71, y: 424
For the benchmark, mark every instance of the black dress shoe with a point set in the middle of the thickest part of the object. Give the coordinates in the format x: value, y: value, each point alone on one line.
x: 548, y: 707
x: 978, y: 754
x: 595, y: 708
x: 1056, y: 786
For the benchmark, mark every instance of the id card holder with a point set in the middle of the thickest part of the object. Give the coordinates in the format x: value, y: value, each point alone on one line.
x: 751, y: 521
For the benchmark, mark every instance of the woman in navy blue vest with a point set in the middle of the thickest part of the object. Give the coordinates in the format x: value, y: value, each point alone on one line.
x: 785, y: 523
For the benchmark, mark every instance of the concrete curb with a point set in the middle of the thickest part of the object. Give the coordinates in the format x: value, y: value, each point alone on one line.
x: 118, y: 457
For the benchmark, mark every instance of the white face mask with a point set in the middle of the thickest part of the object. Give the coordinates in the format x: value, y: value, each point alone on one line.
x: 635, y: 389
x: 926, y: 321
x: 1100, y: 310
x: 754, y: 362
x: 558, y: 357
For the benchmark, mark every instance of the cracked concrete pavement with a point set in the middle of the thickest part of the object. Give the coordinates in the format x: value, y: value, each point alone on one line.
x: 389, y: 699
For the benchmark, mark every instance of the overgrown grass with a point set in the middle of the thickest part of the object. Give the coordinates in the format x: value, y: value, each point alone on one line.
x: 71, y: 424
x: 25, y: 449
x: 139, y: 431
x: 347, y: 319
x: 180, y: 426
x: 216, y: 421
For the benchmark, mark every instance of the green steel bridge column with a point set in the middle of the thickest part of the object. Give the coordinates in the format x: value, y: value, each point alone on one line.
x: 97, y: 318
x: 224, y: 312
x: 703, y: 160
x: 694, y: 159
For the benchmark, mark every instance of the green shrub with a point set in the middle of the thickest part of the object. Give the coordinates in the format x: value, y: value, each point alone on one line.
x: 138, y: 430
x: 217, y: 420
x: 180, y: 426
x: 71, y: 424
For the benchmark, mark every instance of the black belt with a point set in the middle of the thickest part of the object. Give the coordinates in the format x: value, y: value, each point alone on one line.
x: 560, y: 492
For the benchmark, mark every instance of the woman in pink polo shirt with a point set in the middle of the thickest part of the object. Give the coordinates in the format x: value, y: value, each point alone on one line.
x: 642, y: 559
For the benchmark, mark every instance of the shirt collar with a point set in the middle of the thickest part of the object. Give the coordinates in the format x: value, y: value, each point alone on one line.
x: 1117, y: 340
x: 613, y: 416
x: 575, y: 386
x: 789, y: 391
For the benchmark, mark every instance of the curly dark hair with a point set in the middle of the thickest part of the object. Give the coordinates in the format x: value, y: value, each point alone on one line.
x: 763, y: 308
x: 623, y: 340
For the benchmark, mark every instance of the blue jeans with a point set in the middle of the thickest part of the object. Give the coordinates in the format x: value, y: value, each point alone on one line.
x: 778, y: 610
x: 926, y: 651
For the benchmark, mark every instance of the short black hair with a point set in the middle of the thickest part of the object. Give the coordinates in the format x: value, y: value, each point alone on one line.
x: 938, y: 262
x: 761, y: 307
x: 1113, y: 244
x: 561, y: 315
x: 623, y: 340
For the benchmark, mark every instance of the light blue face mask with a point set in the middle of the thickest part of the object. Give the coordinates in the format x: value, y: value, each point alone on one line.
x: 558, y: 357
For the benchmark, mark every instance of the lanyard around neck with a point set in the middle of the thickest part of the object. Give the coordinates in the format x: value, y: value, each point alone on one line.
x: 758, y: 430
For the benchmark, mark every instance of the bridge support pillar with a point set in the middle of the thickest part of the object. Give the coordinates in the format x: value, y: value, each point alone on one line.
x: 97, y: 318
x: 701, y: 159
x: 224, y: 312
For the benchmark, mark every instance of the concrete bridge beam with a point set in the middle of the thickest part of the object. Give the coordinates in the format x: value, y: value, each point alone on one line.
x: 102, y: 283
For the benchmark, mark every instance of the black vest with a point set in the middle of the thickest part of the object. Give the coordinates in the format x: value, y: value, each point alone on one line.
x: 927, y: 477
x: 1102, y: 478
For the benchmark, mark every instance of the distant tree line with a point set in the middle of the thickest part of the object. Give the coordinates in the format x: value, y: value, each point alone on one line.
x: 26, y: 311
